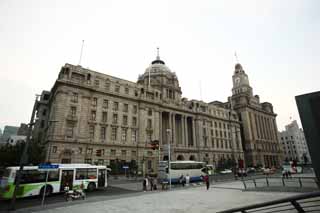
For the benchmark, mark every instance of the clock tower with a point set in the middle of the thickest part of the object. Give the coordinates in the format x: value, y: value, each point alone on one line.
x: 240, y: 81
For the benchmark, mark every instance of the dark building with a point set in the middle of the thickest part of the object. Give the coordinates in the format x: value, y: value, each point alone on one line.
x: 309, y: 110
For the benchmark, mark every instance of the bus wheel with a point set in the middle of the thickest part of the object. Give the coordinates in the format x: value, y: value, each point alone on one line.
x: 48, y: 190
x: 91, y: 187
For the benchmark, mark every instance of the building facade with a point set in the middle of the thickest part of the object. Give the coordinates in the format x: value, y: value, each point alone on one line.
x: 259, y: 129
x: 294, y: 144
x: 9, y: 131
x: 102, y: 119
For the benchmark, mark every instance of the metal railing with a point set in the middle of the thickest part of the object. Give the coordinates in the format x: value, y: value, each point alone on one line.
x: 308, y: 202
x: 280, y: 182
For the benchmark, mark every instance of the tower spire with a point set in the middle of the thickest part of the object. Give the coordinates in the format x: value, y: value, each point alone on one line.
x: 158, y: 56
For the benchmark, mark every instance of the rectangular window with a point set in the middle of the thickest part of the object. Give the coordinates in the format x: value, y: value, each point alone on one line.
x: 73, y: 111
x: 114, y: 133
x: 135, y: 109
x: 127, y: 90
x: 134, y: 121
x: 94, y: 102
x: 150, y: 112
x: 107, y: 85
x: 133, y: 153
x: 105, y: 104
x: 215, y: 124
x: 212, y: 141
x: 103, y: 133
x: 117, y: 88
x: 104, y: 117
x: 93, y: 115
x: 211, y: 132
x: 123, y: 152
x: 80, y: 150
x: 96, y: 83
x: 113, y: 152
x: 149, y: 136
x: 134, y: 135
x: 54, y: 149
x: 115, y: 106
x: 149, y: 124
x: 125, y: 120
x: 74, y: 98
x: 91, y: 132
x: 69, y: 130
x: 89, y: 151
x: 125, y: 107
x: 124, y: 134
x: 115, y: 118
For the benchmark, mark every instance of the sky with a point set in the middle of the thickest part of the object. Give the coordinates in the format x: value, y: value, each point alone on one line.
x: 276, y: 42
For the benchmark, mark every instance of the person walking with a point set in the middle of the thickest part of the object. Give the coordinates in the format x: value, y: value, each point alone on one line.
x: 181, y: 180
x: 151, y: 183
x: 187, y: 180
x: 206, y: 180
x: 145, y: 184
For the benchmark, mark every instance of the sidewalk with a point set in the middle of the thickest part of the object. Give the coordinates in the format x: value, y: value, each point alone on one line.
x: 194, y: 199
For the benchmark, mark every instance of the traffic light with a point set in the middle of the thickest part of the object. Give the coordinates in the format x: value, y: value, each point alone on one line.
x: 98, y: 152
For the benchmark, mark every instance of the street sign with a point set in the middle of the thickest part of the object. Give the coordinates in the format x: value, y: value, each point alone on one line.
x: 125, y: 167
x: 46, y: 166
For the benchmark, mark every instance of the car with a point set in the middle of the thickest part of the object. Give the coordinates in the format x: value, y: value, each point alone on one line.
x: 226, y: 171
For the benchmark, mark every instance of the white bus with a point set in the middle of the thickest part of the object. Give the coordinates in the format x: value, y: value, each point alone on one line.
x: 32, y: 181
x: 192, y: 168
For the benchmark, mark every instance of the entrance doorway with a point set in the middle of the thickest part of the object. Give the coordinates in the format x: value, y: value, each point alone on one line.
x: 66, y: 179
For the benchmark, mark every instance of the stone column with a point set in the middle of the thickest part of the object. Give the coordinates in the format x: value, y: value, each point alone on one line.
x: 193, y: 132
x: 182, y: 131
x: 185, y: 123
x: 160, y: 127
x: 174, y: 134
x: 170, y: 127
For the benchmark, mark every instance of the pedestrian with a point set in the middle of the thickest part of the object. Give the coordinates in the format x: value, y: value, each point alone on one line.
x: 151, y: 183
x: 145, y: 183
x: 181, y: 180
x: 187, y: 180
x: 206, y: 180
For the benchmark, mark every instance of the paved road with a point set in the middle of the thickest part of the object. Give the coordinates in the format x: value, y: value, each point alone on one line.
x: 59, y: 198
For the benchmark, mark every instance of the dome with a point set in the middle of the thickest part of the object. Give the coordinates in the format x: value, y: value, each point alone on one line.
x: 238, y: 66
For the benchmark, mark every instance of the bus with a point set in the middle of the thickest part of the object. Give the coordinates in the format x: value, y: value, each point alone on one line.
x: 32, y: 182
x: 194, y: 169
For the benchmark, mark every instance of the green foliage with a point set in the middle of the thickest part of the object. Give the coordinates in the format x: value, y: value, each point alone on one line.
x: 11, y: 155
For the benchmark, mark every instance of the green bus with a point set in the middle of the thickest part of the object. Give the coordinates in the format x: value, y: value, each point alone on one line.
x: 32, y: 183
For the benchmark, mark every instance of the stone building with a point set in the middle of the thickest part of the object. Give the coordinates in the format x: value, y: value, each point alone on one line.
x: 259, y: 129
x: 102, y: 119
x: 294, y: 143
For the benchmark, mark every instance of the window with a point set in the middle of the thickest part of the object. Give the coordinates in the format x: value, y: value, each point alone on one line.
x: 217, y: 143
x: 93, y: 115
x: 215, y: 124
x: 212, y: 141
x: 125, y: 120
x: 36, y: 176
x: 80, y: 150
x: 125, y: 107
x: 124, y: 134
x: 91, y: 132
x: 107, y: 85
x: 134, y: 135
x: 86, y: 173
x: 105, y: 104
x: 115, y: 118
x: 89, y: 151
x: 115, y: 106
x: 44, y: 112
x: 114, y: 133
x: 149, y: 124
x: 135, y: 109
x: 42, y: 124
x: 134, y: 121
x: 211, y: 124
x: 211, y: 132
x: 123, y: 152
x: 113, y: 152
x: 133, y: 153
x: 73, y: 111
x: 117, y: 88
x: 74, y: 97
x: 219, y: 125
x: 224, y: 125
x: 104, y: 117
x: 217, y: 133
x: 96, y: 83
x: 94, y: 102
x: 150, y: 112
x: 103, y: 133
x: 149, y: 136
x: 127, y: 90
x: 54, y: 149
x: 69, y: 131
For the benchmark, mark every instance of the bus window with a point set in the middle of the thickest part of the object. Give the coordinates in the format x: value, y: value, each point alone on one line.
x: 92, y: 173
x: 53, y: 176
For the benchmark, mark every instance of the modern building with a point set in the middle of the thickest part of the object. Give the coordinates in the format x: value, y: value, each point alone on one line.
x: 259, y: 128
x: 294, y: 144
x: 9, y: 131
x: 98, y: 118
x: 14, y: 139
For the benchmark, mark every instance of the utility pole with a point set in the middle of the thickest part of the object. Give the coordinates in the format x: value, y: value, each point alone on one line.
x: 24, y: 157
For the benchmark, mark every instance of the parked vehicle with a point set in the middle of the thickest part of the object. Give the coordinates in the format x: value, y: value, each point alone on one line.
x: 226, y: 171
